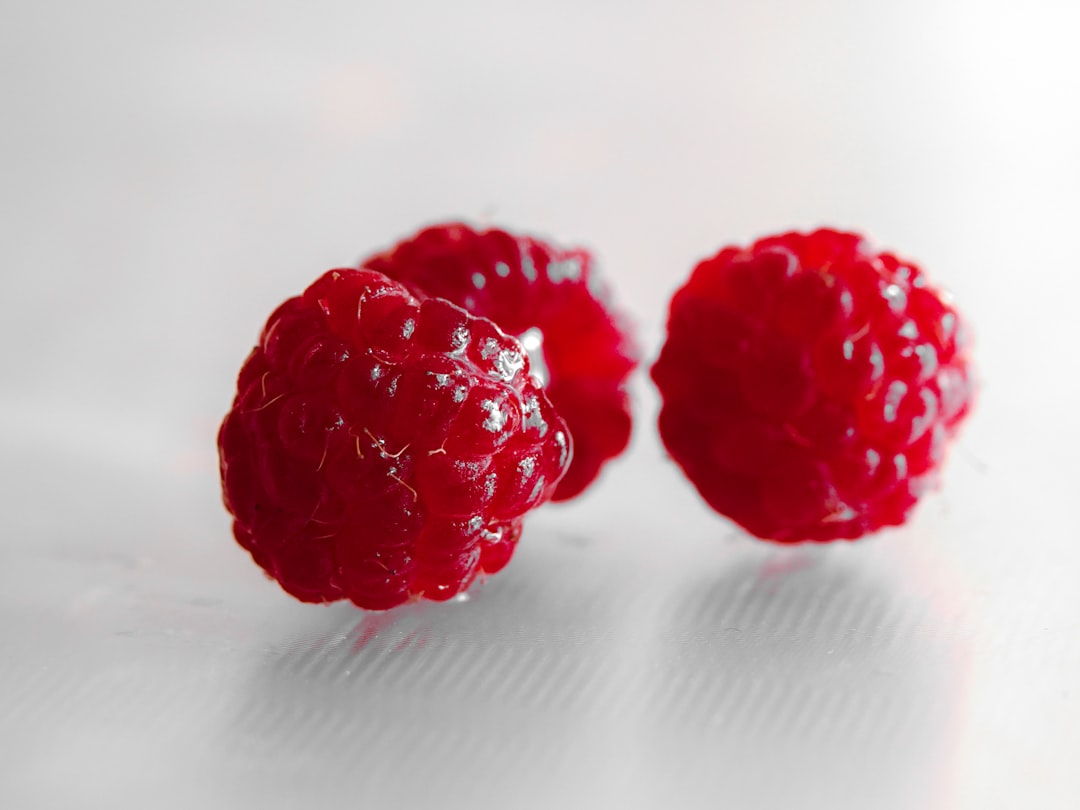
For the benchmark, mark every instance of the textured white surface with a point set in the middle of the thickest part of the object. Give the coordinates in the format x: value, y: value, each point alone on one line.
x: 172, y: 171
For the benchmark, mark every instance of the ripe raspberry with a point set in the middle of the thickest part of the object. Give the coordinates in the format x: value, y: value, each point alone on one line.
x: 381, y: 449
x: 810, y: 385
x: 545, y: 295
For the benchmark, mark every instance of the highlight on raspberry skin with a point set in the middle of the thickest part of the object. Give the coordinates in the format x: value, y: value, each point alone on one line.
x: 811, y: 385
x: 554, y: 300
x: 382, y: 449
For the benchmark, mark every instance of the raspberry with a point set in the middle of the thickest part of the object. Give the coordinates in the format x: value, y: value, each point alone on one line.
x: 381, y: 449
x: 810, y: 385
x: 556, y: 303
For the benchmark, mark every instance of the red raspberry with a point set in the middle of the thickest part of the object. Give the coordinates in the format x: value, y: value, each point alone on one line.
x: 810, y: 385
x: 552, y: 299
x: 381, y: 449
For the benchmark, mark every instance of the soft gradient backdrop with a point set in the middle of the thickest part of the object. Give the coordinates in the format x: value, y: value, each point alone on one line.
x: 169, y: 172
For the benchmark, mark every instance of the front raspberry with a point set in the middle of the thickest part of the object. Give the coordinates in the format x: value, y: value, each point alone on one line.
x: 810, y: 385
x: 381, y: 449
x: 555, y: 302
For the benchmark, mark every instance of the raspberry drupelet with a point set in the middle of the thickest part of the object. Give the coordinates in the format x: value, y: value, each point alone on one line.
x: 555, y: 301
x: 382, y: 449
x: 810, y: 385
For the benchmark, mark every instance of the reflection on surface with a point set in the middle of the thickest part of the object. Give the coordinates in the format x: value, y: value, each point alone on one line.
x: 429, y: 703
x: 799, y: 681
x: 779, y: 678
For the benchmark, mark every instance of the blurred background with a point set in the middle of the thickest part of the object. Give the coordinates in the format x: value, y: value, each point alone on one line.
x: 172, y: 171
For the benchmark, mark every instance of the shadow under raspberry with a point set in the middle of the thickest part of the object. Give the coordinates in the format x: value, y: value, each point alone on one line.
x: 796, y: 679
x: 429, y: 702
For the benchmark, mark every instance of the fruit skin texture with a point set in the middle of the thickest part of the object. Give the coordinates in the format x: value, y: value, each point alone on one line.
x: 530, y: 287
x: 381, y: 449
x: 810, y: 385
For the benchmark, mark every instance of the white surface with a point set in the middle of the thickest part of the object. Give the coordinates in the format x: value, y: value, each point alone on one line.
x: 172, y: 171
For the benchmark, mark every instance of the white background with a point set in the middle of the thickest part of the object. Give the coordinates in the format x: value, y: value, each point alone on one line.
x: 170, y: 172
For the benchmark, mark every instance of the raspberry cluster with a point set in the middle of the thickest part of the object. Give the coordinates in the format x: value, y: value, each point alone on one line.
x: 383, y: 449
x: 810, y: 385
x: 387, y: 437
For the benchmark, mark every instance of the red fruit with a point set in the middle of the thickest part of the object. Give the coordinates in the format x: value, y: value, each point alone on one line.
x: 556, y: 303
x: 381, y: 449
x: 810, y: 385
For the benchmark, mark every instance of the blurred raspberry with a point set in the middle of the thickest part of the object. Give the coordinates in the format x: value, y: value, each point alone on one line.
x: 810, y: 385
x: 554, y: 301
